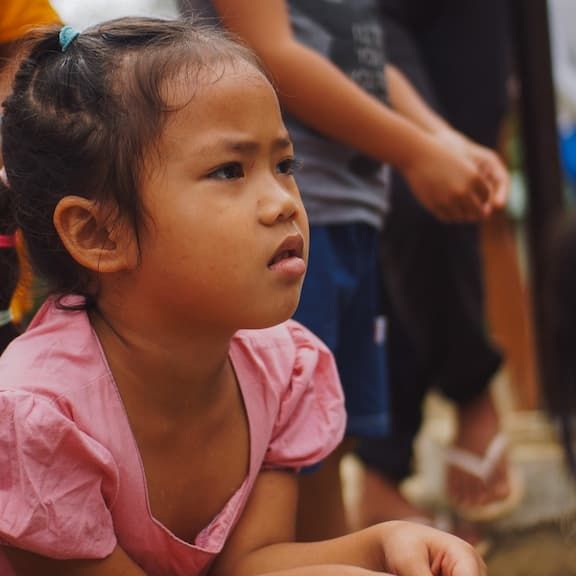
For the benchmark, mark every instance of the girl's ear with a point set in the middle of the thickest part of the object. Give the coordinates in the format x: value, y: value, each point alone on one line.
x: 93, y: 238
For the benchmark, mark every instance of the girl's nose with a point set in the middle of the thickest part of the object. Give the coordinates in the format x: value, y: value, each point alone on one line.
x: 278, y: 204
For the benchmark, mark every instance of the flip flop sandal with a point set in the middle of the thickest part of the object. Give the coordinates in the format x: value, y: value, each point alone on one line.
x: 483, y: 467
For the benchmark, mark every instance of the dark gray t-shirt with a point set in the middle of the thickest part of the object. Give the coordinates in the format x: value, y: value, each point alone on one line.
x: 338, y: 183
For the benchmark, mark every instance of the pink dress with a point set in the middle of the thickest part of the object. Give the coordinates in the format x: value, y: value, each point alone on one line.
x: 71, y: 479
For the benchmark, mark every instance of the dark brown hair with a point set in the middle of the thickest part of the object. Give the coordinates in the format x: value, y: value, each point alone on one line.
x: 83, y: 122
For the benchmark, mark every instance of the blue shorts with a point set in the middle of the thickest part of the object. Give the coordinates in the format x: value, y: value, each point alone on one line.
x: 341, y: 304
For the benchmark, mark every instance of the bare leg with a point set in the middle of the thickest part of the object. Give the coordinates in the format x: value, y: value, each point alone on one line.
x: 507, y: 303
x: 381, y: 500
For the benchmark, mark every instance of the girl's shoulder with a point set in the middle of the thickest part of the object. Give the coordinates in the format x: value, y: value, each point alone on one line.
x: 57, y: 358
x: 54, y: 432
x: 291, y: 388
x: 285, y: 354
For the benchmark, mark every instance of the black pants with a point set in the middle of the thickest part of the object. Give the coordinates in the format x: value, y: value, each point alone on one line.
x: 432, y: 271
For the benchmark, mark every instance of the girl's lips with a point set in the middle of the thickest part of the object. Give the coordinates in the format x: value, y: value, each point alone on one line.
x: 293, y: 267
x: 291, y: 247
x: 288, y: 258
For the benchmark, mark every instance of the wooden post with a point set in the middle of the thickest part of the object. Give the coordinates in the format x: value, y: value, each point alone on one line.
x: 539, y: 146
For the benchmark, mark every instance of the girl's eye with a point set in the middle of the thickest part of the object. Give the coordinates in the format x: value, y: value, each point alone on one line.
x: 231, y: 171
x: 289, y: 166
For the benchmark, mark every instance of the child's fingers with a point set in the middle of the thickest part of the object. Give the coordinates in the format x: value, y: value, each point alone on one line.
x: 501, y: 183
x: 482, y: 189
x: 496, y: 174
x: 454, y: 557
x: 423, y: 551
x: 465, y: 566
x: 449, y: 563
x: 470, y: 207
x: 462, y: 209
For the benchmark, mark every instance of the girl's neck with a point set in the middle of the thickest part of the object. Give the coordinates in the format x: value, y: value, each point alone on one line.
x: 166, y: 370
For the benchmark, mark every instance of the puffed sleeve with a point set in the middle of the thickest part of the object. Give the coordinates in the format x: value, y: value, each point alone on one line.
x: 312, y: 417
x: 56, y: 482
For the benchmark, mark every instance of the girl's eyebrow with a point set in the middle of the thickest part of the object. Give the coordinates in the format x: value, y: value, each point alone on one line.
x: 232, y: 144
x: 248, y: 147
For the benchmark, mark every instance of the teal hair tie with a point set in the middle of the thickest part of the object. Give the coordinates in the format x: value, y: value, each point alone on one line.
x: 66, y: 37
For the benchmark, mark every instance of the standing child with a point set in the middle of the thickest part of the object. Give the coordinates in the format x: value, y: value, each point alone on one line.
x: 156, y: 409
x: 329, y: 61
x: 438, y: 333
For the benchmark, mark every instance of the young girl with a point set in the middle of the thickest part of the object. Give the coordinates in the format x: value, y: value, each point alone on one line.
x: 141, y: 433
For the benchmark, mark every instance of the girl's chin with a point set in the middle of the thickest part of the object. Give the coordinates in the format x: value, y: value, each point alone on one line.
x: 273, y: 319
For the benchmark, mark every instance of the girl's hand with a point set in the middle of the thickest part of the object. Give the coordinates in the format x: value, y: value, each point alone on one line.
x: 416, y: 550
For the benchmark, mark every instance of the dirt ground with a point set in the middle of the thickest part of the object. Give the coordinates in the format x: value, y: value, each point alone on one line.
x: 539, y: 537
x: 548, y: 550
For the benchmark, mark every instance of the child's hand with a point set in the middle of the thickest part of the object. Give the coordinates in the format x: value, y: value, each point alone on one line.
x: 450, y: 184
x: 494, y: 171
x: 416, y: 550
x: 457, y: 179
x: 487, y: 161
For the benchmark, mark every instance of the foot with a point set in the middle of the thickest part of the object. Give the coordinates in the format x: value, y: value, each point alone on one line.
x: 478, y: 425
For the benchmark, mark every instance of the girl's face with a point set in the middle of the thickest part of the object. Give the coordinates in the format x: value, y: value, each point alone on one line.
x: 227, y: 244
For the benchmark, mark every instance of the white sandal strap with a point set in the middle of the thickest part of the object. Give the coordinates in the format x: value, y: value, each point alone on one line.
x: 480, y: 466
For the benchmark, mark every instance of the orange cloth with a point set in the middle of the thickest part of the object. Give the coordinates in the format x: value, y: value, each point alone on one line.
x: 22, y: 299
x: 19, y: 16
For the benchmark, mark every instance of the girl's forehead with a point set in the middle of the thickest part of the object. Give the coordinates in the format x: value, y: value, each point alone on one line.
x: 233, y: 98
x: 192, y: 82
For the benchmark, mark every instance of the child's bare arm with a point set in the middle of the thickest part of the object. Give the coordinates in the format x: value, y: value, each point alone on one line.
x: 262, y: 544
x: 326, y: 570
x: 323, y: 97
x: 406, y: 100
x: 28, y: 564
